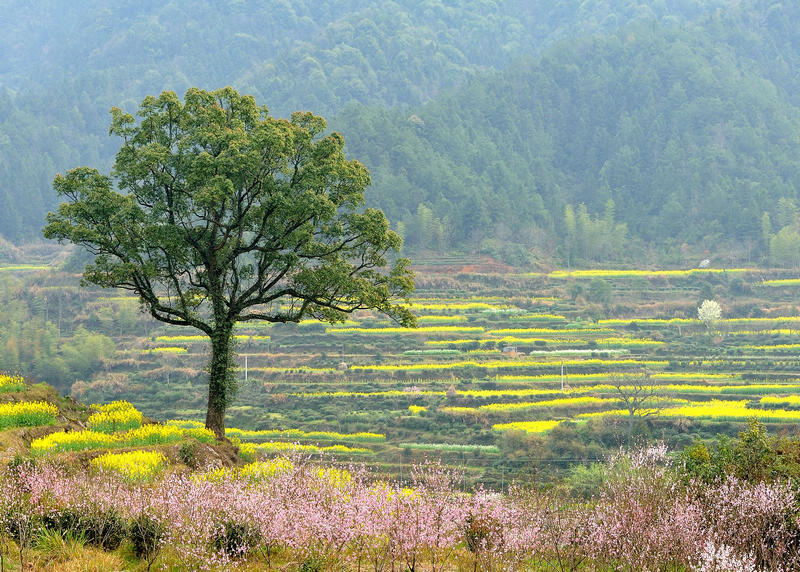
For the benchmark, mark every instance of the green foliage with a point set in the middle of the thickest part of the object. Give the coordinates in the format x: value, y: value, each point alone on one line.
x: 248, y: 218
x: 41, y: 333
x: 146, y: 536
x: 236, y: 538
x: 784, y: 247
x: 753, y: 456
x: 585, y: 481
x: 647, y: 94
x: 103, y: 528
x: 599, y: 291
x: 313, y: 563
x: 188, y: 454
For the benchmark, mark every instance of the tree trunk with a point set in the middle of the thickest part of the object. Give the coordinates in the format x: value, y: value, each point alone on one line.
x: 220, y: 381
x: 631, y: 417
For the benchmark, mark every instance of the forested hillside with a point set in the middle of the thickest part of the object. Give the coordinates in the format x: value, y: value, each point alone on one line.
x: 519, y: 129
x: 660, y: 135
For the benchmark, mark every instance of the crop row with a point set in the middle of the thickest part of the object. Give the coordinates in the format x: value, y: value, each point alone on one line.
x: 131, y: 465
x: 498, y: 364
x: 115, y: 416
x: 146, y: 435
x: 449, y: 447
x: 253, y: 450
x: 27, y: 414
x: 244, y: 434
x: 10, y: 383
x: 610, y: 273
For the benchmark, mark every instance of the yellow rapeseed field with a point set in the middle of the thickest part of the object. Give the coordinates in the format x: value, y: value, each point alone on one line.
x: 565, y: 402
x: 27, y: 414
x: 420, y: 330
x: 609, y: 273
x: 115, y: 416
x: 133, y: 465
x: 11, y: 383
x: 527, y: 426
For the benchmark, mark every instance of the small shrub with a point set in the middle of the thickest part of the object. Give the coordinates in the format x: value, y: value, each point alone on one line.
x: 188, y: 454
x: 236, y: 539
x: 104, y: 529
x: 146, y: 535
x: 64, y: 522
x: 312, y: 564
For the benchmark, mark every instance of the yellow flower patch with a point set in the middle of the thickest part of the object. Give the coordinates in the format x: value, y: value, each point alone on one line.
x: 251, y: 449
x: 18, y: 267
x: 397, y: 330
x: 10, y: 383
x: 133, y: 466
x: 627, y: 342
x: 337, y: 478
x: 433, y: 318
x: 74, y: 441
x: 457, y: 306
x: 27, y: 414
x: 166, y: 350
x: 556, y: 331
x: 648, y: 321
x: 298, y: 434
x: 782, y: 282
x: 566, y: 402
x: 771, y: 347
x: 494, y: 364
x: 161, y: 434
x: 609, y: 273
x: 787, y: 399
x: 386, y: 393
x: 526, y: 317
x: 182, y: 339
x: 263, y: 470
x: 145, y: 435
x: 115, y: 416
x: 714, y: 409
x: 527, y: 426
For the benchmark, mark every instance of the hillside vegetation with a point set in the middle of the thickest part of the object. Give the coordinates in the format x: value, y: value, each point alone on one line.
x: 650, y: 136
x: 530, y: 132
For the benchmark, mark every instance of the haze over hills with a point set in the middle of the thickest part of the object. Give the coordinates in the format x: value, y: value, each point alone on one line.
x: 513, y: 128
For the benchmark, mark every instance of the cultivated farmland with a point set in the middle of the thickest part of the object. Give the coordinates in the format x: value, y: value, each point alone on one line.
x: 507, y: 374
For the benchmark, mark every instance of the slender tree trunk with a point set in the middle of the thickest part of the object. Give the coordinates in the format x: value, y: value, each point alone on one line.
x: 631, y: 417
x: 221, y: 380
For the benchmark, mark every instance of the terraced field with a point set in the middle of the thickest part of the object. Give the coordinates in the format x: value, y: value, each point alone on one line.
x: 497, y: 360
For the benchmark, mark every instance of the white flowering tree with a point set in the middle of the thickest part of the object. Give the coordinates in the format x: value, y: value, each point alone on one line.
x: 709, y: 313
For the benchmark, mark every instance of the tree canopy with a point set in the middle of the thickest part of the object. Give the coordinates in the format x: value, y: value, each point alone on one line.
x: 227, y: 214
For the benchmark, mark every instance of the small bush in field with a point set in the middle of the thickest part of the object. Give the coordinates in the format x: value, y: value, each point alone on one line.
x: 146, y: 534
x: 236, y: 539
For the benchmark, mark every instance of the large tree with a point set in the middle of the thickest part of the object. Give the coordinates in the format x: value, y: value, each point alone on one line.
x: 223, y: 214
